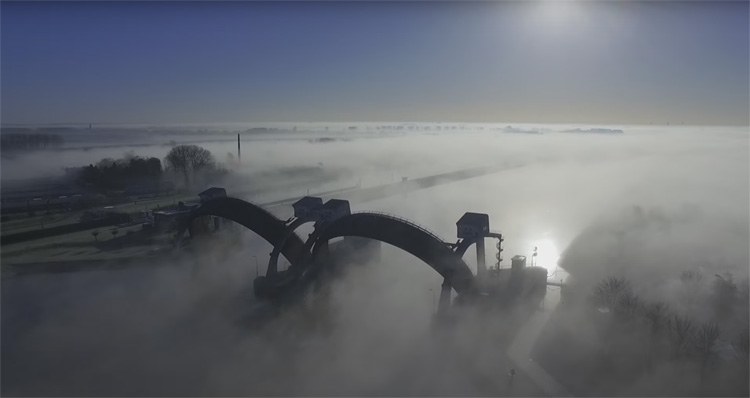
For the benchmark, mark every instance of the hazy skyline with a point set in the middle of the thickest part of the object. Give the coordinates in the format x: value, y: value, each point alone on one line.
x: 533, y: 62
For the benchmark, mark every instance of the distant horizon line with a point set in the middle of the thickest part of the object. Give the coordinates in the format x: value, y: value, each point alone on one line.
x: 350, y: 123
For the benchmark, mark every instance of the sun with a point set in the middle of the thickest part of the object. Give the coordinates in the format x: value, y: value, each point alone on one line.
x: 555, y: 16
x: 547, y: 254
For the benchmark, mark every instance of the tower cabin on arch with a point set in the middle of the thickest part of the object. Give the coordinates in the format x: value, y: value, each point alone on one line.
x: 473, y: 225
x: 212, y: 193
x: 334, y: 209
x: 307, y: 207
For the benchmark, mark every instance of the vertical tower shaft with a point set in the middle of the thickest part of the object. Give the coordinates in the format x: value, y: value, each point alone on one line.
x: 481, y: 265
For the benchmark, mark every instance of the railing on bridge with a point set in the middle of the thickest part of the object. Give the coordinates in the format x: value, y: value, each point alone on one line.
x: 405, y: 221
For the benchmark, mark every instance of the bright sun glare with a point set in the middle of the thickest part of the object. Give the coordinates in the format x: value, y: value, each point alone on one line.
x: 547, y: 255
x: 554, y: 16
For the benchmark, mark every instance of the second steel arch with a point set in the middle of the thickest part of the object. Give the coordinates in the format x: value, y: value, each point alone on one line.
x: 406, y: 236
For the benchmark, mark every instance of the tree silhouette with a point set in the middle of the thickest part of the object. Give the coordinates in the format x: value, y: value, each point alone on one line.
x: 724, y: 295
x: 188, y: 159
x: 705, y: 339
x: 680, y: 331
x: 628, y: 305
x: 95, y: 234
x: 115, y: 232
x: 657, y: 316
x: 608, y: 292
x: 704, y: 342
x: 109, y: 174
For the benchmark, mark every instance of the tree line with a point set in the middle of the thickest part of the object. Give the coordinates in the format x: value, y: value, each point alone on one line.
x: 25, y: 142
x: 194, y: 164
x: 190, y: 164
x: 650, y: 333
x: 119, y: 174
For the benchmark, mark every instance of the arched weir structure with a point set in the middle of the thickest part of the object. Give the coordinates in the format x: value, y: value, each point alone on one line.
x: 304, y: 257
x: 258, y: 220
x: 406, y: 236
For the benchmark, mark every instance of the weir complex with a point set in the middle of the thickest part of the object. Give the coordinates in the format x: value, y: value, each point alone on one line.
x: 310, y: 258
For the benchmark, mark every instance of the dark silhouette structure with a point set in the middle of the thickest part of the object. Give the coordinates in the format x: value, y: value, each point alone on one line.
x: 256, y: 219
x: 333, y: 219
x: 406, y: 236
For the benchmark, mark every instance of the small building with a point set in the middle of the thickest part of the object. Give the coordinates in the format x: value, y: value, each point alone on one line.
x: 212, y: 193
x: 518, y: 262
x: 307, y: 206
x: 169, y: 219
x: 473, y: 225
x: 334, y: 209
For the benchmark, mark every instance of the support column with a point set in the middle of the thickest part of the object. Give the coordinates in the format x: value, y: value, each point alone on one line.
x: 274, y: 258
x: 272, y: 268
x: 481, y: 265
x: 445, y: 297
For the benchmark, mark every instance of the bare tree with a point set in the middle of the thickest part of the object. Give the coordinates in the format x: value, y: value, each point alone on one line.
x: 628, y: 305
x: 705, y: 339
x: 189, y: 159
x: 657, y: 316
x: 692, y: 282
x: 609, y: 291
x: 724, y: 295
x: 680, y: 331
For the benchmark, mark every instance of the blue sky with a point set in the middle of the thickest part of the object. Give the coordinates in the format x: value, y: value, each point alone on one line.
x: 536, y: 62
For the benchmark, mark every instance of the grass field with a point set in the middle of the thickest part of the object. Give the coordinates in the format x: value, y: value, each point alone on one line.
x: 22, y: 222
x: 82, y: 246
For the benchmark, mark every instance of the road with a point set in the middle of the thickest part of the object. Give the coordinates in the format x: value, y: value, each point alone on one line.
x: 382, y: 191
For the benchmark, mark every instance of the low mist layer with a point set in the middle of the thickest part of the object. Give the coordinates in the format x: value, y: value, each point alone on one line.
x: 646, y: 205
